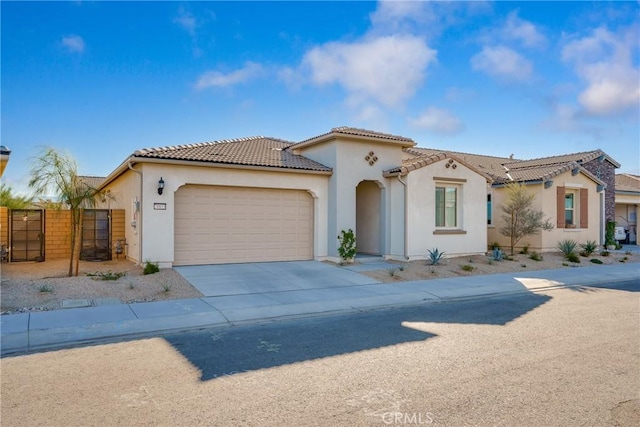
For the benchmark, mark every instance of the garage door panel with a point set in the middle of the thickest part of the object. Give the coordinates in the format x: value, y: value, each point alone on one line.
x: 234, y: 224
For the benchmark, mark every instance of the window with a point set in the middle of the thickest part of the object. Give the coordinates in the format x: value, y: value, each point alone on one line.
x: 569, y: 209
x: 489, y: 210
x: 446, y: 207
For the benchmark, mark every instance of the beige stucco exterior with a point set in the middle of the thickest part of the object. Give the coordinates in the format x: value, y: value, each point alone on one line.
x: 546, y: 200
x: 393, y: 215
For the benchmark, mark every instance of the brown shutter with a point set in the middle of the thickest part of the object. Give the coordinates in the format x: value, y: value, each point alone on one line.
x: 560, y: 207
x: 584, y: 208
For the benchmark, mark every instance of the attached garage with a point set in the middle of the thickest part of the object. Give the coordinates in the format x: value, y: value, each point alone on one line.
x: 217, y: 225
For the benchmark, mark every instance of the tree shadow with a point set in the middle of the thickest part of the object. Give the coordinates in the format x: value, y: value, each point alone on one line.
x: 223, y: 352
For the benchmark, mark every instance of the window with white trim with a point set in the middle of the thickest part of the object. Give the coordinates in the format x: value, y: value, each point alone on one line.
x: 489, y: 209
x: 569, y: 208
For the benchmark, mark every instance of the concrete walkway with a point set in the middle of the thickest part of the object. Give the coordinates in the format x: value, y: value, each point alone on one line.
x: 296, y: 296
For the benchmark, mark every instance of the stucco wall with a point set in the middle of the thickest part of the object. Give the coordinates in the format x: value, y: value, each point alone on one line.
x: 122, y: 193
x: 470, y: 236
x: 350, y: 165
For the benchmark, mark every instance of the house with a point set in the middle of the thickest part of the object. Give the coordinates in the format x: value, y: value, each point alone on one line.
x: 573, y: 190
x: 264, y: 199
x: 4, y: 158
x: 626, y: 202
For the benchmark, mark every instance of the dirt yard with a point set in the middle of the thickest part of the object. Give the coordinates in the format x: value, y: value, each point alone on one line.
x: 481, y: 264
x: 37, y: 286
x: 31, y: 286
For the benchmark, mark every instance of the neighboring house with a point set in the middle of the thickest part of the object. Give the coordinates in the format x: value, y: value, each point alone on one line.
x: 4, y: 158
x: 627, y: 201
x: 573, y: 190
x: 264, y: 199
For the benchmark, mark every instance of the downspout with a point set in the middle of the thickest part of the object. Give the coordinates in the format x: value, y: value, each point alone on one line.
x: 406, y: 217
x: 139, y: 225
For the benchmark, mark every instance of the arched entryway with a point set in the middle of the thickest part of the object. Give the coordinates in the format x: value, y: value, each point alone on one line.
x: 368, y: 218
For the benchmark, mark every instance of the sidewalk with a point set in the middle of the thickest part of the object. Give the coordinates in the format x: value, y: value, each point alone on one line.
x: 49, y: 329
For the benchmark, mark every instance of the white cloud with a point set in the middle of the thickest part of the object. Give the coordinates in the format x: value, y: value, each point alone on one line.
x: 73, y: 43
x: 187, y: 21
x: 387, y: 69
x: 502, y: 62
x: 523, y: 31
x: 437, y: 120
x: 604, y: 61
x: 218, y: 79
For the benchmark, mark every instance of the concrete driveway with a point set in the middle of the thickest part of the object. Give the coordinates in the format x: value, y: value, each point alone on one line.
x: 255, y: 278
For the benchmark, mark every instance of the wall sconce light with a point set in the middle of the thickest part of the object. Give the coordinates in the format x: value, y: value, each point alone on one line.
x: 160, y: 186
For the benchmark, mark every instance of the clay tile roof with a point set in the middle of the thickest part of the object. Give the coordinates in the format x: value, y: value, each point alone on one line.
x: 369, y: 133
x: 417, y: 162
x: 582, y: 157
x: 252, y: 151
x: 349, y: 131
x: 92, y: 181
x: 628, y: 182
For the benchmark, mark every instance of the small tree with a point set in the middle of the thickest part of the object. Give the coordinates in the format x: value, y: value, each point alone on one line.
x: 11, y: 201
x: 53, y: 171
x: 518, y: 216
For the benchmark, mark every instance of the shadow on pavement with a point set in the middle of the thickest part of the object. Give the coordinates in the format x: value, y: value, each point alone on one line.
x: 222, y: 352
x: 628, y: 286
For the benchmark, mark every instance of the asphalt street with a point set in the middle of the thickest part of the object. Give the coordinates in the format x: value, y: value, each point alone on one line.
x: 560, y: 357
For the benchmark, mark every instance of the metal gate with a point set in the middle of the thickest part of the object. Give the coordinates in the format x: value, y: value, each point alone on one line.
x: 96, y: 241
x: 27, y: 235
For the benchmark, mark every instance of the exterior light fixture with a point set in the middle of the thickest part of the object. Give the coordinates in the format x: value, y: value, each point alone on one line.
x: 160, y: 186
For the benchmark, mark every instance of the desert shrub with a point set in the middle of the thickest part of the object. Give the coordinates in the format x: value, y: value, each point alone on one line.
x: 467, y: 267
x: 109, y: 275
x: 525, y: 249
x: 535, y: 256
x: 435, y: 256
x: 567, y: 246
x: 595, y: 261
x: 604, y: 252
x: 588, y: 248
x: 45, y: 288
x: 150, y: 267
x: 572, y: 257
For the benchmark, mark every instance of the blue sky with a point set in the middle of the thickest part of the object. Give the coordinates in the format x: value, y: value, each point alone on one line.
x: 100, y: 80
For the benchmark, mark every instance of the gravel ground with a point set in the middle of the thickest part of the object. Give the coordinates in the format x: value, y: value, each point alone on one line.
x: 32, y: 286
x: 25, y: 284
x: 481, y: 264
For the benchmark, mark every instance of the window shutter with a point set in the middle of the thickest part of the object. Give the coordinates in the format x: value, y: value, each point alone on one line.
x: 584, y: 208
x: 560, y: 207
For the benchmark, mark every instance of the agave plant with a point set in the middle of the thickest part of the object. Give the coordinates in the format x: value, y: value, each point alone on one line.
x: 567, y: 246
x: 588, y: 248
x: 435, y: 256
x: 497, y: 254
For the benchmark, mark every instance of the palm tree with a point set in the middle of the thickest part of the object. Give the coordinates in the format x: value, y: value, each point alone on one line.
x: 58, y: 172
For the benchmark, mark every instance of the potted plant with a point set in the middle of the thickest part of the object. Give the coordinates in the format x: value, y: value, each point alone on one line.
x: 347, y: 248
x: 609, y: 235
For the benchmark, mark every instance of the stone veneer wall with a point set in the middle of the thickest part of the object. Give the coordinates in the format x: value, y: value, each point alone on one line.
x: 606, y: 172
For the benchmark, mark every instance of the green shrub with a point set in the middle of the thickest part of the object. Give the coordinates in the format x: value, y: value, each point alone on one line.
x: 535, y: 256
x: 588, y: 248
x: 567, y: 246
x: 45, y: 288
x: 106, y: 276
x: 525, y: 249
x: 595, y: 261
x: 150, y: 267
x: 347, y: 248
x: 523, y: 265
x: 435, y: 256
x: 604, y: 252
x: 572, y: 257
x: 467, y: 267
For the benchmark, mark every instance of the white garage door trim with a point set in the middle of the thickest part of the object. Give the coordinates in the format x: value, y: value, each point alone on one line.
x: 219, y: 224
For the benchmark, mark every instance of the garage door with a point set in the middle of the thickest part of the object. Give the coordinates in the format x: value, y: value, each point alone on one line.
x: 216, y: 225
